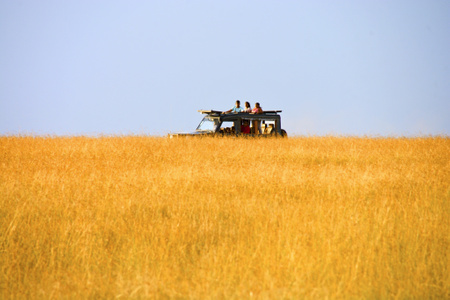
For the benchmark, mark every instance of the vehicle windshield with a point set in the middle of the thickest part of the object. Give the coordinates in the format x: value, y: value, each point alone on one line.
x: 207, y: 124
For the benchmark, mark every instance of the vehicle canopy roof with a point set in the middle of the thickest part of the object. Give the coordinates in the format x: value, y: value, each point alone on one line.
x: 267, y: 114
x: 218, y: 112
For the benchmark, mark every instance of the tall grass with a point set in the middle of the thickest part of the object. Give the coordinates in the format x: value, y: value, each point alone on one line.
x: 144, y: 217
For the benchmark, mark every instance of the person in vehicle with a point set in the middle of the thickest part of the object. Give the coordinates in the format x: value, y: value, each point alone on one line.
x: 257, y: 109
x: 256, y: 124
x: 236, y: 109
x: 248, y: 108
x: 245, y: 128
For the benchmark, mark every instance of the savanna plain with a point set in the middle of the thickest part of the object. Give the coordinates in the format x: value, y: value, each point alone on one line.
x: 223, y: 218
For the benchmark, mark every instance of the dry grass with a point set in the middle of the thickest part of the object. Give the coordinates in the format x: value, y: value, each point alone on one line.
x: 143, y: 217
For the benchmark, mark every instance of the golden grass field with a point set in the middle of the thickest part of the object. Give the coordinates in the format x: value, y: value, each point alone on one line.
x: 151, y: 217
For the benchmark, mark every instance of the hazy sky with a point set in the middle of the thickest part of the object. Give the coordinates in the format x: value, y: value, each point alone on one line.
x: 145, y: 67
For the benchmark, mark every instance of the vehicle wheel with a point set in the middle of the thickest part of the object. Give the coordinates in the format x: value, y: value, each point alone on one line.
x: 283, y: 133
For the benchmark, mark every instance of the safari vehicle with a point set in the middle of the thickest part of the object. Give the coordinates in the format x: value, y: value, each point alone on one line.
x: 216, y: 123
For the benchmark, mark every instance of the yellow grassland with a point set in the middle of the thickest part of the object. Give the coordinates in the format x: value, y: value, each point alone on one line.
x: 150, y: 217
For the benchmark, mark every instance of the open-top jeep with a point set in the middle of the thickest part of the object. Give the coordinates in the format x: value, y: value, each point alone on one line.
x: 217, y: 123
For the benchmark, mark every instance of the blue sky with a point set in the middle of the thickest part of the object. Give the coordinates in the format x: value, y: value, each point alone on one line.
x: 146, y: 67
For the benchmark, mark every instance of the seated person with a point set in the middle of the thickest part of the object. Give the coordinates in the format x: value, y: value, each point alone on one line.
x: 257, y: 123
x: 236, y: 109
x: 245, y: 128
x: 257, y: 109
x: 248, y: 108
